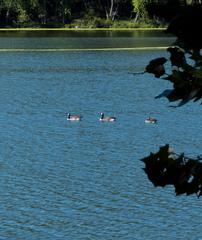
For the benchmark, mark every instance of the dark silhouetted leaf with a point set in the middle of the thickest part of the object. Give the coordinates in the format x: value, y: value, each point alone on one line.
x: 156, y: 67
x: 166, y: 168
x: 177, y: 57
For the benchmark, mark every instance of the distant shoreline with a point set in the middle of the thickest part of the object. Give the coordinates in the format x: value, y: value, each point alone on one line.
x: 82, y: 29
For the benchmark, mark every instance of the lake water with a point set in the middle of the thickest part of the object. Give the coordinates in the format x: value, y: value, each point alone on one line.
x: 84, y: 180
x: 74, y: 40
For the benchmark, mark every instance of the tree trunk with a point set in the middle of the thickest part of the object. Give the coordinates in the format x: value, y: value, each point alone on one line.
x: 63, y: 12
x: 111, y: 9
x: 45, y: 12
x: 8, y: 11
x: 136, y: 17
x: 112, y: 12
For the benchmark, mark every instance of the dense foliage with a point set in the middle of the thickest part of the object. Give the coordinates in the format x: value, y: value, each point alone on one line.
x: 165, y: 167
x: 60, y: 12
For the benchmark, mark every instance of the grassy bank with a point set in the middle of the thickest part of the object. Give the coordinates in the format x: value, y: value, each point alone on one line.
x: 88, y: 24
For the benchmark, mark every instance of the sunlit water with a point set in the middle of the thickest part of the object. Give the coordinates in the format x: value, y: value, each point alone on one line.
x: 84, y: 180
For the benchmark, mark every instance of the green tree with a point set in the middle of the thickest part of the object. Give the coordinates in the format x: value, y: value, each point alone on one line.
x: 109, y: 9
x: 11, y: 9
x: 140, y: 8
x: 166, y: 167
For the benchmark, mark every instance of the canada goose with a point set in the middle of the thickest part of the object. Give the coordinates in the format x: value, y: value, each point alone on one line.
x: 73, y: 117
x: 106, y: 119
x: 151, y: 120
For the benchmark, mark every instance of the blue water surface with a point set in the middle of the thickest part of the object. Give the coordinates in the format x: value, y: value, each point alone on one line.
x: 84, y: 180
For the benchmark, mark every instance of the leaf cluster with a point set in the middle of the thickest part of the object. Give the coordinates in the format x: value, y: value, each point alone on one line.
x: 186, y: 78
x: 166, y: 168
x: 187, y: 28
x: 186, y: 75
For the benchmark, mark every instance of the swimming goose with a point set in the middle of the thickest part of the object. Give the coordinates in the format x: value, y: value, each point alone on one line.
x: 106, y: 119
x: 73, y: 117
x: 151, y: 120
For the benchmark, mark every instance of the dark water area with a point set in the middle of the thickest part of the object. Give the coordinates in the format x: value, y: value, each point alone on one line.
x: 84, y: 180
x: 84, y: 33
x: 83, y: 39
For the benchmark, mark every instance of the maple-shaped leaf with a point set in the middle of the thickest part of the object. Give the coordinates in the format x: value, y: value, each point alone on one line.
x: 166, y: 168
x: 177, y: 57
x: 176, y: 77
x: 196, y: 56
x: 156, y: 66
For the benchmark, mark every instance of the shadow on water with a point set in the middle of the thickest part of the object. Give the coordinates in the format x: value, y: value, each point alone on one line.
x: 84, y: 33
x: 82, y: 39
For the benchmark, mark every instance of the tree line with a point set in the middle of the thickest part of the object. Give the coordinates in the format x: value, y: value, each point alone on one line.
x: 61, y: 12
